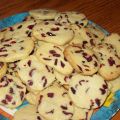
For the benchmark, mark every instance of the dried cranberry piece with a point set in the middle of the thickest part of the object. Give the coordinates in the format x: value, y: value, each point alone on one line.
x: 22, y: 95
x: 73, y: 90
x: 64, y: 107
x: 55, y: 29
x: 45, y: 81
x: 31, y: 72
x: 29, y: 63
x: 8, y: 98
x: 50, y: 34
x: 62, y: 64
x: 51, y: 95
x: 11, y: 90
x: 30, y: 26
x: 43, y: 35
x: 111, y: 61
x: 4, y: 102
x: 39, y: 118
x: 30, y: 82
x: 97, y: 101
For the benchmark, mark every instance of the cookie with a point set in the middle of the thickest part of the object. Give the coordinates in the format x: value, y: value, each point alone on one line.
x: 52, y: 55
x: 72, y: 17
x: 13, y: 91
x: 53, y: 32
x: 115, y: 84
x: 64, y: 79
x: 3, y: 69
x: 55, y: 104
x: 38, y: 44
x: 28, y: 112
x: 83, y: 60
x: 35, y: 74
x: 88, y: 92
x: 81, y: 114
x: 114, y: 39
x: 97, y: 33
x: 2, y: 33
x: 43, y: 14
x: 19, y: 30
x: 109, y: 61
x: 32, y: 98
x: 15, y: 49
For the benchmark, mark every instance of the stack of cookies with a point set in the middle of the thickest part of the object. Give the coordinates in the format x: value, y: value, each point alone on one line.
x: 63, y: 66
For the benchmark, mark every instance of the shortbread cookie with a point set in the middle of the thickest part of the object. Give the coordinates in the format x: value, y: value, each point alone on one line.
x: 81, y: 114
x: 64, y: 79
x: 52, y: 55
x: 53, y: 32
x: 83, y: 60
x: 19, y: 30
x: 15, y: 49
x: 97, y: 33
x: 114, y: 39
x: 13, y: 91
x: 32, y: 98
x: 88, y: 91
x: 109, y: 61
x: 55, y: 104
x: 72, y: 17
x: 28, y: 112
x: 3, y: 69
x: 115, y: 84
x: 12, y: 68
x: 35, y: 74
x: 43, y: 14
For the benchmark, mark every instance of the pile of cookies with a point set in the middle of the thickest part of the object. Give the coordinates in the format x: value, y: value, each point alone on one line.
x: 63, y: 66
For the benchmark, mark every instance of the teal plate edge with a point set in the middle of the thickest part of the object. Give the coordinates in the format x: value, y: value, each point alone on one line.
x: 103, y: 113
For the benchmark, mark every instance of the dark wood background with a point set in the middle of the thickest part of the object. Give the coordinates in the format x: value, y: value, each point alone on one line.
x: 104, y: 12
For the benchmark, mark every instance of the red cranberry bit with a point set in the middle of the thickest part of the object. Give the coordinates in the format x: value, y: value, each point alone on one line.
x: 50, y: 112
x: 51, y: 95
x: 97, y: 101
x: 67, y: 113
x: 20, y: 26
x: 87, y: 57
x: 45, y: 81
x: 71, y: 103
x: 4, y: 102
x: 111, y: 61
x: 50, y: 34
x: 103, y: 91
x: 43, y: 35
x: 62, y: 64
x: 11, y: 28
x: 29, y: 63
x: 39, y: 118
x: 95, y: 64
x: 73, y: 90
x: 79, y: 68
x: 64, y: 107
x: 55, y: 29
x: 118, y: 66
x: 101, y: 65
x: 22, y: 95
x: 31, y: 72
x: 46, y: 58
x: 56, y: 61
x: 8, y: 98
x: 30, y: 26
x: 40, y: 100
x: 30, y: 82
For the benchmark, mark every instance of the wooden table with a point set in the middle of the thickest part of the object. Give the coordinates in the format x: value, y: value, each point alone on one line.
x: 103, y: 12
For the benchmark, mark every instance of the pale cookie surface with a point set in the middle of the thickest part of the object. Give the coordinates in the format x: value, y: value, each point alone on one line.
x: 15, y: 49
x: 43, y: 14
x: 13, y: 91
x: 53, y: 32
x: 88, y: 91
x: 28, y: 112
x: 114, y: 39
x: 22, y: 29
x: 35, y: 74
x: 55, y: 104
x: 109, y: 61
x: 115, y: 84
x: 81, y: 114
x: 83, y: 60
x: 72, y: 17
x: 3, y: 69
x: 52, y: 55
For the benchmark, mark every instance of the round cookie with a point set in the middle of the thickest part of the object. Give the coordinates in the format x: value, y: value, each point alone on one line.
x: 3, y: 69
x: 115, y: 84
x: 22, y: 29
x: 114, y: 39
x: 81, y: 114
x: 28, y: 112
x: 97, y: 33
x: 109, y: 61
x: 88, y: 92
x: 72, y: 17
x: 83, y: 60
x: 43, y: 14
x: 52, y: 55
x: 15, y: 49
x: 35, y: 74
x: 13, y: 91
x: 53, y: 32
x: 55, y: 104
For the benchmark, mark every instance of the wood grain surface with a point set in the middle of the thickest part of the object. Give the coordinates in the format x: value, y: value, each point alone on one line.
x: 103, y: 12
